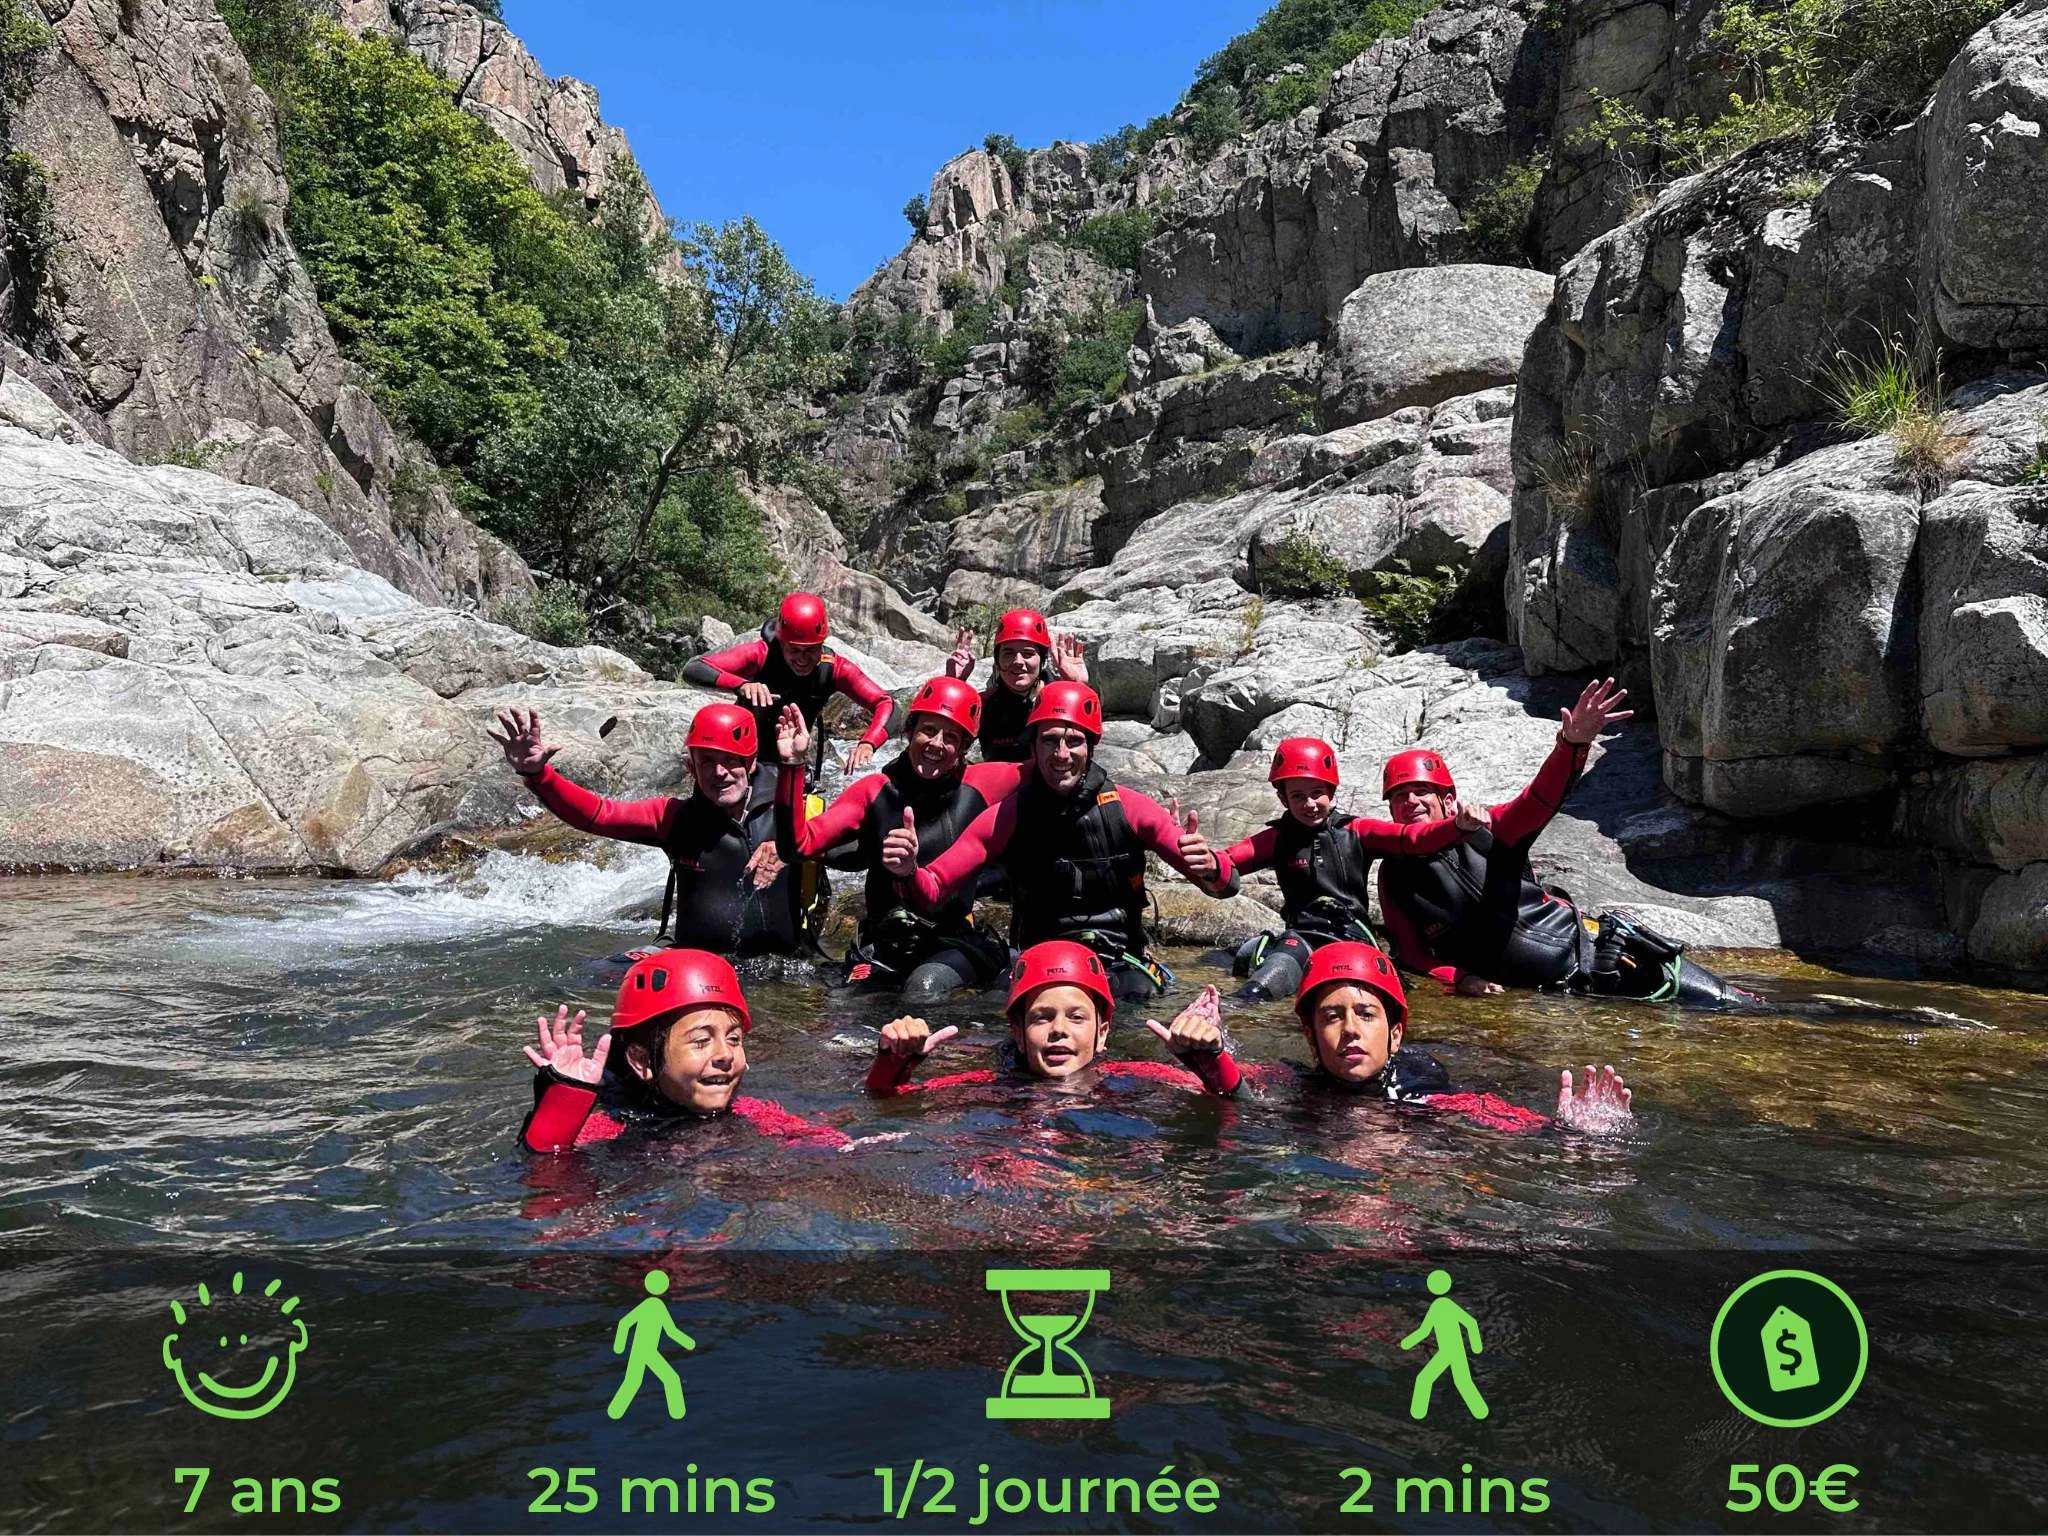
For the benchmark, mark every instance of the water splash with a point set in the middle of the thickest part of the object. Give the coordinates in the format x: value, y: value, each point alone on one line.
x: 502, y: 892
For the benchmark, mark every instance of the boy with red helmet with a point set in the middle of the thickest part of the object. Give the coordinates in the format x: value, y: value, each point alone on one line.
x: 1060, y: 1006
x: 1073, y: 844
x: 930, y: 788
x: 732, y: 893
x: 1027, y: 657
x: 1470, y: 915
x: 677, y: 1048
x: 787, y: 663
x: 1353, y: 1015
x: 1324, y: 858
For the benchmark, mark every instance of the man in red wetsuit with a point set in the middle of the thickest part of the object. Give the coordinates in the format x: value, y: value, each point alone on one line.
x: 1027, y: 657
x: 1060, y: 1009
x: 731, y: 892
x: 1471, y: 916
x: 677, y: 1050
x: 1074, y: 845
x: 1354, y: 1013
x: 787, y: 663
x: 929, y: 788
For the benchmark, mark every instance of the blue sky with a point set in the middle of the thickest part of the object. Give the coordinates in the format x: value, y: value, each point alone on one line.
x: 821, y: 119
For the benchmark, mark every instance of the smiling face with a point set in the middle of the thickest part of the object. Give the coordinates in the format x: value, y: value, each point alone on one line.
x: 1409, y: 803
x: 1058, y: 1031
x: 803, y: 659
x: 725, y: 778
x: 1020, y: 665
x: 697, y: 1064
x: 1308, y: 801
x: 1061, y: 754
x: 235, y: 1355
x: 936, y: 746
x: 1347, y: 1029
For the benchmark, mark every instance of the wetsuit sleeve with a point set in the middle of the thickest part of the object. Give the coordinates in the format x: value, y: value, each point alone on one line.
x: 561, y: 1118
x: 1216, y: 1071
x: 630, y: 821
x: 1489, y: 1110
x: 982, y: 843
x: 890, y: 1076
x: 994, y: 782
x: 1518, y: 820
x: 771, y: 1119
x: 1411, y: 950
x: 729, y: 668
x: 1254, y: 853
x: 1392, y: 838
x: 799, y: 835
x: 864, y: 691
x: 1155, y: 828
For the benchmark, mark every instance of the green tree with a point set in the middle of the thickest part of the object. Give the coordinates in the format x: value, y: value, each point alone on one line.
x: 917, y: 210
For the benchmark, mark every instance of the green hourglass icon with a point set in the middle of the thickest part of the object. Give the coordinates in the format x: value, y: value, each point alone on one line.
x: 1037, y: 1386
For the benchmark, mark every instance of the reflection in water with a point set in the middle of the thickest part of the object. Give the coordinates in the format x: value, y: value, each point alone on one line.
x: 328, y: 1063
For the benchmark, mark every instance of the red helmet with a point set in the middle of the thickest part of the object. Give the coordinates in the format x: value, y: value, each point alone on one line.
x: 724, y: 728
x: 671, y: 981
x: 1418, y: 765
x: 1065, y: 703
x: 950, y: 699
x: 801, y: 620
x: 1304, y: 757
x: 1353, y: 962
x: 1026, y: 626
x: 1060, y: 962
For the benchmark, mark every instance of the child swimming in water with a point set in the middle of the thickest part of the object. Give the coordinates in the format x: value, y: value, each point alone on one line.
x: 1060, y: 1006
x: 677, y: 1049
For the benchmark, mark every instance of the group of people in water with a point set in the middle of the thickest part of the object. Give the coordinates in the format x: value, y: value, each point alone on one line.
x: 1039, y: 819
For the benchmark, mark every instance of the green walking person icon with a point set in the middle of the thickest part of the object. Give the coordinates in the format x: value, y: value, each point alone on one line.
x: 1448, y: 1323
x: 645, y: 1327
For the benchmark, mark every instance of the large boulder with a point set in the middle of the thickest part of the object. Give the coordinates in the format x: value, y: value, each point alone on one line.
x: 198, y: 674
x: 1984, y: 619
x: 1423, y: 335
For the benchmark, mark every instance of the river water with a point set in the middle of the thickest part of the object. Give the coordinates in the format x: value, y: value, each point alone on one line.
x: 308, y: 1074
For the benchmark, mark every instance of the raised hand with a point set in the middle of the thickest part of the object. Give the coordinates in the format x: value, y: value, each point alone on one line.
x: 1069, y: 658
x: 1196, y: 1028
x: 792, y: 735
x: 764, y: 864
x: 1193, y: 846
x: 756, y: 694
x: 913, y: 1037
x: 561, y: 1047
x: 899, y: 848
x: 961, y: 662
x: 1600, y: 1107
x: 1471, y: 818
x: 524, y: 749
x: 1586, y: 719
x: 861, y: 758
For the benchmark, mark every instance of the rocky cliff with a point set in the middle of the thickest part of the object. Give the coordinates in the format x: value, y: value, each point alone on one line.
x: 167, y: 311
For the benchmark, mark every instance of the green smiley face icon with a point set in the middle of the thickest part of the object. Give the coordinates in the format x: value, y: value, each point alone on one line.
x: 216, y: 1348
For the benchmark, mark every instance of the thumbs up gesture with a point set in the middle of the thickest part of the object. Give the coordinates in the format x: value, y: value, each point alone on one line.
x: 1194, y: 848
x: 899, y: 848
x: 1196, y: 1028
x: 913, y: 1037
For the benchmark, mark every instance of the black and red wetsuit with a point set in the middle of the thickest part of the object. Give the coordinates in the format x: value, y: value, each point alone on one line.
x: 760, y: 660
x: 717, y: 906
x: 896, y: 944
x: 1077, y: 868
x: 566, y: 1114
x: 1004, y: 736
x: 1414, y: 1077
x: 1473, y: 909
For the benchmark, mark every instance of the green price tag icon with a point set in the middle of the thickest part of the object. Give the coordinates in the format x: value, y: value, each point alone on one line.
x: 1789, y: 1348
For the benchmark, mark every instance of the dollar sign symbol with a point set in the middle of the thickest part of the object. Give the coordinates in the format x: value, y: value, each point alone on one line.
x: 1793, y: 1358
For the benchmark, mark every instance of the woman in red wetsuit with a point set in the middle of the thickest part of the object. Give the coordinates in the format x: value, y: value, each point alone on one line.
x: 676, y: 1051
x: 787, y: 663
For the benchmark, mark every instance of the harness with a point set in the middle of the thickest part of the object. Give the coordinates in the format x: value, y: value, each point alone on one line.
x: 1075, y: 866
